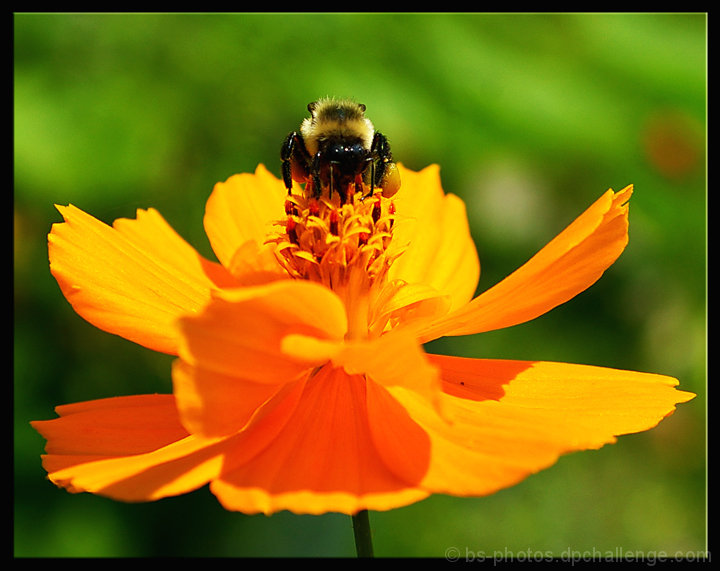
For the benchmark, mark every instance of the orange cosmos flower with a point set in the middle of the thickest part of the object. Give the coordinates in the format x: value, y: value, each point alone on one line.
x: 301, y: 382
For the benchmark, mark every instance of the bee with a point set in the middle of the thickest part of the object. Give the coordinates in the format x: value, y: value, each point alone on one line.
x: 337, y: 148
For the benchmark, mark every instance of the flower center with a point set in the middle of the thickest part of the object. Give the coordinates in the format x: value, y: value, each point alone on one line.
x: 342, y: 246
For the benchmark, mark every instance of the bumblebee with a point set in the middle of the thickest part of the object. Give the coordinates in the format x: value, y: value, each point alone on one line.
x: 338, y: 150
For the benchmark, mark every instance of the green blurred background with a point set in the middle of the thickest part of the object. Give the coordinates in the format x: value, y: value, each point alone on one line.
x: 531, y: 118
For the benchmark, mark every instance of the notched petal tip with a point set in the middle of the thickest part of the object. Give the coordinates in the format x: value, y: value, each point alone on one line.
x: 622, y: 197
x: 569, y: 264
x: 132, y: 279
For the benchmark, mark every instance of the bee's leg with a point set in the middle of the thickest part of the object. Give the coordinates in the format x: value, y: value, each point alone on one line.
x: 379, y: 157
x: 317, y: 187
x: 295, y: 160
x: 309, y: 186
x: 372, y: 180
x: 286, y: 153
x: 313, y: 176
x: 359, y: 184
x: 337, y: 184
x: 381, y: 150
x: 387, y: 175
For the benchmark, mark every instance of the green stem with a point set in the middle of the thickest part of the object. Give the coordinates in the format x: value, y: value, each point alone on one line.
x: 363, y: 537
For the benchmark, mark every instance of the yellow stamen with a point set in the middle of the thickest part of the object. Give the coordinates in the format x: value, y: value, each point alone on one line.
x: 342, y: 246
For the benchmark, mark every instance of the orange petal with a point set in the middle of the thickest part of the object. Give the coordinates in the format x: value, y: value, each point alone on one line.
x: 112, y: 426
x: 213, y: 404
x: 240, y: 333
x: 134, y: 279
x: 400, y: 442
x: 476, y: 379
x: 400, y: 302
x: 127, y: 448
x: 440, y: 252
x: 566, y: 266
x: 253, y: 264
x: 243, y: 209
x: 394, y: 360
x: 323, y: 458
x: 545, y: 410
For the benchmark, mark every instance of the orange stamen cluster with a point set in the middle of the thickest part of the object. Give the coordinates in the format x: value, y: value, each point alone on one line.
x: 323, y: 241
x: 343, y: 246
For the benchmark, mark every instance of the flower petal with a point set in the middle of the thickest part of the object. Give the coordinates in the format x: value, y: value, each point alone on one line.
x: 253, y: 264
x: 394, y: 360
x: 323, y: 458
x: 112, y: 426
x: 546, y: 409
x: 133, y: 279
x: 127, y: 448
x: 476, y: 379
x: 242, y: 209
x: 440, y: 252
x: 212, y: 404
x: 400, y: 302
x: 401, y: 443
x: 240, y: 333
x: 566, y: 266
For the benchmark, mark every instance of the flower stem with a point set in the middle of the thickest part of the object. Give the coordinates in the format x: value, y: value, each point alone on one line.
x: 363, y: 538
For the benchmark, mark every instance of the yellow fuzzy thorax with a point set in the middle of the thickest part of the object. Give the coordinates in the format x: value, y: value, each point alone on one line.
x: 334, y: 118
